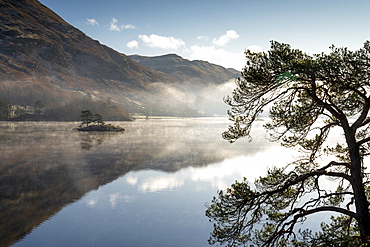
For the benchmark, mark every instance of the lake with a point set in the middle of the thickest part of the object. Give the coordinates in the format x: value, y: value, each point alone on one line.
x: 147, y: 186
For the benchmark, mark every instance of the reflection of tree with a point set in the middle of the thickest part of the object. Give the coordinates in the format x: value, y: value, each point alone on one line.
x: 89, y: 139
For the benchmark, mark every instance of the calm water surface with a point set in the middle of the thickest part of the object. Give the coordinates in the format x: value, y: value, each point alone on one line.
x: 145, y: 187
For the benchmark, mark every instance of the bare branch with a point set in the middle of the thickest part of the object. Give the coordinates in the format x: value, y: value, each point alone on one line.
x: 363, y: 141
x: 327, y: 208
x: 362, y: 117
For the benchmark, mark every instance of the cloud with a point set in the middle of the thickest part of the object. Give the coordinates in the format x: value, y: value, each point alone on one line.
x: 165, y: 43
x: 216, y: 55
x: 128, y: 26
x: 133, y: 44
x: 114, y: 26
x: 92, y: 22
x: 202, y: 37
x: 160, y: 183
x: 226, y: 38
x: 131, y: 180
x: 91, y: 203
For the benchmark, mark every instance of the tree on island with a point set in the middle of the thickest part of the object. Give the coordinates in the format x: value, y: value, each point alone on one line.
x: 5, y: 109
x: 38, y: 106
x: 98, y: 124
x: 309, y: 96
x: 86, y: 118
x: 97, y: 118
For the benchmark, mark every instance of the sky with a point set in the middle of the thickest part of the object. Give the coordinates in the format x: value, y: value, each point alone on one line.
x: 218, y: 31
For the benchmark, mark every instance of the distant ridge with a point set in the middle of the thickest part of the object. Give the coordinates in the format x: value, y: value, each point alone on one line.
x: 183, y: 69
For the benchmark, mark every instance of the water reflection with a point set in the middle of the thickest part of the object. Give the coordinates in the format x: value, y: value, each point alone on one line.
x: 90, y: 139
x: 47, y: 166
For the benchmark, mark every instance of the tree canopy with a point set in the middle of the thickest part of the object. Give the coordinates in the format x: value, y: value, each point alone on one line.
x: 87, y: 117
x: 308, y: 96
x: 5, y: 109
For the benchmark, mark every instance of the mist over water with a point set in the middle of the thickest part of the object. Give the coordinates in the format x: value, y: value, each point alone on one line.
x: 145, y: 187
x: 204, y: 99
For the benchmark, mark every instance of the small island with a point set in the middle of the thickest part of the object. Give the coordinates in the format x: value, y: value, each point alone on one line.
x: 94, y: 122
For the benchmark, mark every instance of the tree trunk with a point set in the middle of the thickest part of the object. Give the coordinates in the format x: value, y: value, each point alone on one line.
x: 361, y: 202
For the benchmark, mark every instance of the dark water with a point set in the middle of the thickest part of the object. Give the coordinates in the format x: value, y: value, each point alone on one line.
x: 145, y: 187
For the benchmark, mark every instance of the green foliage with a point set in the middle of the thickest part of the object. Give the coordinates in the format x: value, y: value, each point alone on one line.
x: 88, y: 117
x: 39, y: 105
x: 342, y: 231
x: 98, y: 124
x: 276, y: 201
x: 308, y: 96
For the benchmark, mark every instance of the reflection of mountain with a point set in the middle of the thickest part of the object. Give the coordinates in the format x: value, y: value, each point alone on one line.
x: 44, y: 167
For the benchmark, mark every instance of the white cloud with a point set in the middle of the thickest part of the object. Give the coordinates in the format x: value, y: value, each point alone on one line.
x: 114, y: 26
x: 160, y: 183
x: 133, y: 44
x: 216, y: 55
x: 113, y: 199
x: 128, y: 26
x: 202, y: 37
x: 165, y: 43
x: 92, y: 22
x: 131, y: 180
x: 226, y: 38
x: 91, y: 203
x: 116, y: 198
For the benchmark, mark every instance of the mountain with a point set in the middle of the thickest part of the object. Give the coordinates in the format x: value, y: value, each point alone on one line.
x: 42, y: 54
x: 42, y: 57
x: 185, y: 70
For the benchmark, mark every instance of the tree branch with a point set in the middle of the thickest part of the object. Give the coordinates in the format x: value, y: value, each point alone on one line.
x: 319, y: 172
x: 339, y: 115
x: 326, y: 208
x: 362, y: 117
x: 363, y: 141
